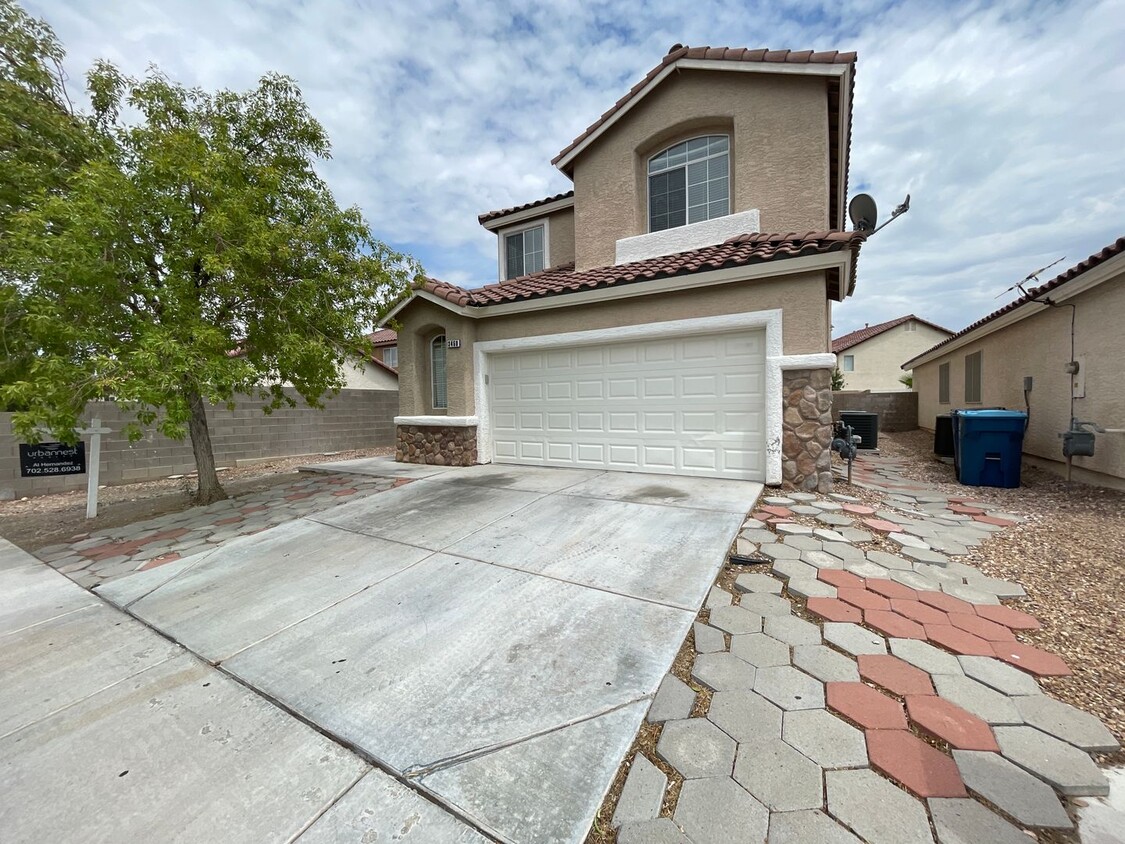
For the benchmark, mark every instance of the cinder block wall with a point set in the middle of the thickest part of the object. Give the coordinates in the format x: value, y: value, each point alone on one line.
x: 353, y: 419
x: 898, y: 411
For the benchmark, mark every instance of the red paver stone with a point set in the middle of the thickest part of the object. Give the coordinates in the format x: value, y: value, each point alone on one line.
x: 890, y: 588
x: 840, y: 579
x: 918, y: 767
x: 881, y: 526
x: 992, y: 520
x: 163, y: 559
x: 858, y: 509
x: 987, y: 630
x: 229, y: 521
x: 867, y: 707
x: 257, y: 508
x: 1009, y: 617
x: 894, y: 675
x: 894, y: 625
x: 340, y: 492
x: 957, y: 640
x: 862, y: 598
x: 917, y: 611
x: 834, y: 610
x: 946, y: 603
x: 296, y: 496
x: 950, y: 723
x: 1030, y: 659
x: 965, y: 510
x: 173, y: 533
x: 402, y: 481
x: 783, y: 512
x: 757, y: 514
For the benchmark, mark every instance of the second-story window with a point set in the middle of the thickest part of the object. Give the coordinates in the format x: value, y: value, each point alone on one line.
x: 689, y: 183
x: 523, y: 252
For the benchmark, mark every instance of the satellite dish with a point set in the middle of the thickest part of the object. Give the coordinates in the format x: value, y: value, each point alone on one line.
x: 863, y: 212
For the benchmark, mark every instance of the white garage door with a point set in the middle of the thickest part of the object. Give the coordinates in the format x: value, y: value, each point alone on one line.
x: 689, y: 405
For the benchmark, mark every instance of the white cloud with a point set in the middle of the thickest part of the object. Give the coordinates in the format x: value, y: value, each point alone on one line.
x: 1001, y: 120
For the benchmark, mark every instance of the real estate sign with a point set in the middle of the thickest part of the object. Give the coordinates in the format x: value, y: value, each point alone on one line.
x: 52, y: 459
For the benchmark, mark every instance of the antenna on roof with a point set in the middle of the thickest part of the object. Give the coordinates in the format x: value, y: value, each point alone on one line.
x: 864, y: 214
x: 1030, y: 277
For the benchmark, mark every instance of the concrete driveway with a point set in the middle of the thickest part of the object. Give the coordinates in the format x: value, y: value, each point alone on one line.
x: 489, y: 638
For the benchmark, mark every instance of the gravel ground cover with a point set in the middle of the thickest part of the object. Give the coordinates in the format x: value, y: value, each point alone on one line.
x: 42, y: 520
x: 1069, y: 554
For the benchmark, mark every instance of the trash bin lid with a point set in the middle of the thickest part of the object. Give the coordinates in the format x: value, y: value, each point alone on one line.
x: 994, y: 414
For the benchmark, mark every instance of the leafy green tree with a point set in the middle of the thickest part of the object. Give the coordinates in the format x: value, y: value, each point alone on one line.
x: 185, y: 252
x: 837, y: 379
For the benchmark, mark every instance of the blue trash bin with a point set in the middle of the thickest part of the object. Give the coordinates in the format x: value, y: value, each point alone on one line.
x: 989, y: 446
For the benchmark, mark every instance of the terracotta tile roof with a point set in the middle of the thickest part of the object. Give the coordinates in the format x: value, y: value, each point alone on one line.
x: 739, y: 251
x: 383, y: 336
x: 869, y: 331
x: 1115, y: 248
x: 739, y: 54
x: 504, y: 212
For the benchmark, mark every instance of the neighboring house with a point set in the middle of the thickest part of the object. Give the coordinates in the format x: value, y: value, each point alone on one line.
x: 670, y: 314
x: 986, y: 364
x: 363, y: 374
x: 871, y: 358
x: 384, y: 347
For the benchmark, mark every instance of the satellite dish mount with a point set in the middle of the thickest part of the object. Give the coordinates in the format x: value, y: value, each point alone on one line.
x: 865, y: 215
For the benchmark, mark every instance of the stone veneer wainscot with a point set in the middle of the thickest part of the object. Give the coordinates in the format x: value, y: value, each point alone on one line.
x: 436, y: 440
x: 806, y: 427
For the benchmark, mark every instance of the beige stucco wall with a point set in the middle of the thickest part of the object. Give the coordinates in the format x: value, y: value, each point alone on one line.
x: 368, y: 376
x: 800, y: 297
x: 779, y: 154
x: 1039, y: 346
x: 561, y: 225
x: 878, y: 361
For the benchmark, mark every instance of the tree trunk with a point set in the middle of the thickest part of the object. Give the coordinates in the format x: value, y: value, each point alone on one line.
x: 209, y: 488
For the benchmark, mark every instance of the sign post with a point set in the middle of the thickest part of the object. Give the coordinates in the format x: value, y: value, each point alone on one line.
x: 95, y: 431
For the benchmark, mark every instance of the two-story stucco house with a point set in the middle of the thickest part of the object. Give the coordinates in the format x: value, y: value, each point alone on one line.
x: 870, y: 358
x: 671, y: 313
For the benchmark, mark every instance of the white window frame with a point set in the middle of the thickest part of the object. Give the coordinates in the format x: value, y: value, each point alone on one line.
x: 684, y: 166
x: 393, y: 352
x: 502, y: 243
x: 435, y: 342
x: 847, y: 363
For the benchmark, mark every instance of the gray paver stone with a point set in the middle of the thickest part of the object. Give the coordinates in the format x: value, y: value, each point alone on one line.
x: 718, y: 811
x: 659, y: 831
x: 979, y: 699
x: 905, y: 540
x: 825, y: 664
x: 848, y: 499
x: 834, y: 520
x: 924, y: 555
x: 1013, y: 790
x: 778, y: 501
x: 723, y: 671
x: 807, y: 587
x: 916, y: 581
x: 968, y: 593
x: 708, y: 640
x: 760, y: 650
x: 757, y: 535
x: 810, y: 826
x: 792, y: 630
x: 889, y: 561
x: 745, y: 547
x: 805, y: 543
x: 875, y: 809
x: 1065, y: 722
x: 793, y: 529
x: 753, y: 524
x: 822, y: 560
x: 745, y: 716
x: 963, y: 821
x: 805, y: 510
x: 642, y: 793
x: 856, y: 535
x: 780, y: 551
x: 1071, y: 771
x: 825, y: 739
x: 673, y: 700
x: 843, y: 551
x: 948, y: 546
x: 790, y: 569
x: 780, y: 777
x: 736, y: 620
x: 866, y: 568
x: 1000, y: 676
x: 996, y: 586
x: 718, y: 598
x: 853, y: 639
x: 829, y: 535
x: 828, y: 506
x: 789, y: 688
x: 925, y: 656
x: 802, y: 496
x: 754, y: 582
x: 937, y: 573
x: 696, y: 748
x: 765, y: 604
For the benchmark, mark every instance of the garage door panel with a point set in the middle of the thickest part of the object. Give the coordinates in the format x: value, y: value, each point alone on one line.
x: 686, y: 405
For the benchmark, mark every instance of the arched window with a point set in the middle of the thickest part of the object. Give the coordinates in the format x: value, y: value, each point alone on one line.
x: 437, y: 372
x: 689, y: 182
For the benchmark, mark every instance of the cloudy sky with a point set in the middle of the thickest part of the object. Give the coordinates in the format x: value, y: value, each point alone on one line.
x: 1003, y: 120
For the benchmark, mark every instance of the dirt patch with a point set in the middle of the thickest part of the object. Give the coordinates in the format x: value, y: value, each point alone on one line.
x: 32, y: 523
x: 1068, y: 555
